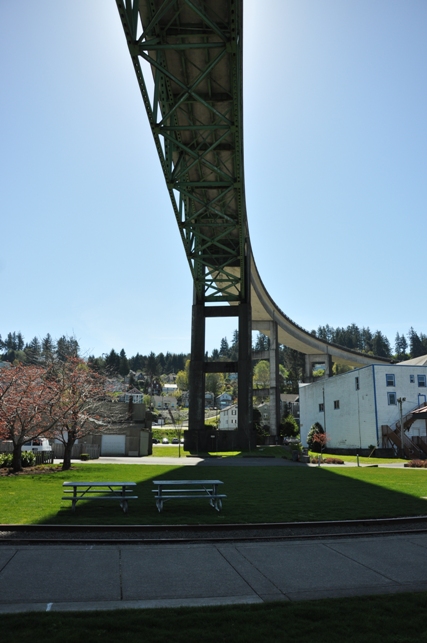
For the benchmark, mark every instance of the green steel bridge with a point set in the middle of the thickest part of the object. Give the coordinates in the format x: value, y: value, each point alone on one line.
x: 187, y: 56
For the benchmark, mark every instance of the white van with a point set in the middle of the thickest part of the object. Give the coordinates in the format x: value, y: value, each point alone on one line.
x: 37, y: 444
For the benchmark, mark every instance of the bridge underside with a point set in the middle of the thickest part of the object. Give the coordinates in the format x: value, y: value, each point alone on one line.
x: 188, y: 57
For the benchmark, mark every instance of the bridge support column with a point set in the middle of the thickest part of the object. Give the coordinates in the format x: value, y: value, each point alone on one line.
x: 244, y: 438
x: 270, y: 328
x: 196, y: 415
x: 324, y: 360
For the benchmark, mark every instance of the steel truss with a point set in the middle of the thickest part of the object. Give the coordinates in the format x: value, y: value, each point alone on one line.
x: 192, y: 92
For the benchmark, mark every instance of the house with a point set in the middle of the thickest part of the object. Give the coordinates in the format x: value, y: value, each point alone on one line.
x: 135, y: 394
x: 169, y: 388
x: 209, y: 400
x: 363, y: 407
x: 289, y: 402
x: 164, y: 402
x: 224, y: 400
x: 228, y: 418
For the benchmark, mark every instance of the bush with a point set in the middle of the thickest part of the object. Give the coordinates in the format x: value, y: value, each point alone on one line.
x: 84, y: 457
x: 312, y: 444
x: 416, y: 464
x: 289, y: 427
x: 5, y: 460
x: 27, y: 459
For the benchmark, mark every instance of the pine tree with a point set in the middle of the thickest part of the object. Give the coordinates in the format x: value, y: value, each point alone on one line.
x: 123, y: 363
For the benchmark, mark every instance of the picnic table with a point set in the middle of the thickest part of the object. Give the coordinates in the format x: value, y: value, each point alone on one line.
x: 192, y: 489
x: 120, y: 491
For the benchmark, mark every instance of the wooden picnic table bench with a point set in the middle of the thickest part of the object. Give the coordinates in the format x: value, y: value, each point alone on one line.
x: 101, y: 491
x: 192, y: 489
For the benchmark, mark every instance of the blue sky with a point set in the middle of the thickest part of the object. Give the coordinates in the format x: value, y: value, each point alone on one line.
x: 335, y: 104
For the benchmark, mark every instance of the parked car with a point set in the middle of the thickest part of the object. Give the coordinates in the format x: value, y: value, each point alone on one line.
x: 155, y: 441
x: 175, y: 441
x: 165, y: 441
x: 37, y: 444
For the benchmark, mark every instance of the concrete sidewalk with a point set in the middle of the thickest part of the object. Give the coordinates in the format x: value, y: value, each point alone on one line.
x: 88, y: 577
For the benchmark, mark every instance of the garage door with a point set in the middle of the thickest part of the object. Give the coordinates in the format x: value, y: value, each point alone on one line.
x: 113, y: 445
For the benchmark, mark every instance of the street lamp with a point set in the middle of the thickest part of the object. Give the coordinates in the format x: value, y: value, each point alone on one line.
x: 400, y: 401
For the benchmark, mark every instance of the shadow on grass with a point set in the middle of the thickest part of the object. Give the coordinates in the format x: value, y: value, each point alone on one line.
x: 259, y: 494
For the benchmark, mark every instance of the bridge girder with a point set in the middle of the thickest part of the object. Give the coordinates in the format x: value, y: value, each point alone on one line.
x: 193, y: 98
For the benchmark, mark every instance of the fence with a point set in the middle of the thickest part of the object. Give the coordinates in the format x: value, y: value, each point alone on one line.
x: 44, y: 457
x: 91, y: 449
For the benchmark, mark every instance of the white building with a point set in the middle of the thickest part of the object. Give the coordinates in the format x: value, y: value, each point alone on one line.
x: 164, y: 402
x: 353, y: 407
x: 228, y: 418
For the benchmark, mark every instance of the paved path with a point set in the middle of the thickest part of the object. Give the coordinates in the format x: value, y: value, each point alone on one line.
x: 85, y: 577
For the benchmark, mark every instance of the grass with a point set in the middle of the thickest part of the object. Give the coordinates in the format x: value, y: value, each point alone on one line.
x: 160, y: 451
x: 362, y: 459
x: 254, y: 494
x: 396, y: 618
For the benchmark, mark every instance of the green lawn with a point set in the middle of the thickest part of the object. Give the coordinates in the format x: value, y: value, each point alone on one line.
x: 398, y: 618
x: 362, y: 459
x: 254, y: 494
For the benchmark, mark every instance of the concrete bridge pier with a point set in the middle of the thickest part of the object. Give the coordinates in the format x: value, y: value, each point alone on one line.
x: 324, y: 360
x: 272, y: 355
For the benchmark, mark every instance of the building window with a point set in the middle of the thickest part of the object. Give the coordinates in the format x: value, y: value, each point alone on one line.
x: 391, y: 398
x: 421, y: 380
x: 412, y: 379
x: 389, y: 380
x: 321, y: 407
x: 356, y: 381
x: 336, y: 404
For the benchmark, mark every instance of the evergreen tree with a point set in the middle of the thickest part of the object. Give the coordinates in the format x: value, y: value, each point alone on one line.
x: 380, y: 345
x: 417, y: 343
x: 234, y: 349
x: 67, y: 347
x: 112, y: 362
x: 224, y: 350
x: 123, y: 363
x: 400, y: 347
x: 33, y: 350
x: 152, y: 367
x: 366, y: 337
x: 47, y: 349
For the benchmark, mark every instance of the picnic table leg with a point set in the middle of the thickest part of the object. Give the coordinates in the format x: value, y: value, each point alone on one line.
x: 74, y: 501
x: 159, y: 501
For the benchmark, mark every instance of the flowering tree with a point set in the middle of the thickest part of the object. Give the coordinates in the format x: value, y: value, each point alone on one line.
x: 321, y: 439
x: 78, y: 410
x: 28, y: 396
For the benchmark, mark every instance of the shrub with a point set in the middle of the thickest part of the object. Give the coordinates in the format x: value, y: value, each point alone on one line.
x: 289, y: 427
x: 27, y: 459
x: 5, y: 459
x: 312, y: 444
x: 84, y: 457
x: 416, y: 464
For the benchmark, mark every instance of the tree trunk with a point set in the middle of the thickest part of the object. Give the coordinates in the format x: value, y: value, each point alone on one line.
x: 16, y: 459
x: 66, y: 465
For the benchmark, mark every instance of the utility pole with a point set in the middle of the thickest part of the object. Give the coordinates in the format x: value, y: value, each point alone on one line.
x: 400, y: 402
